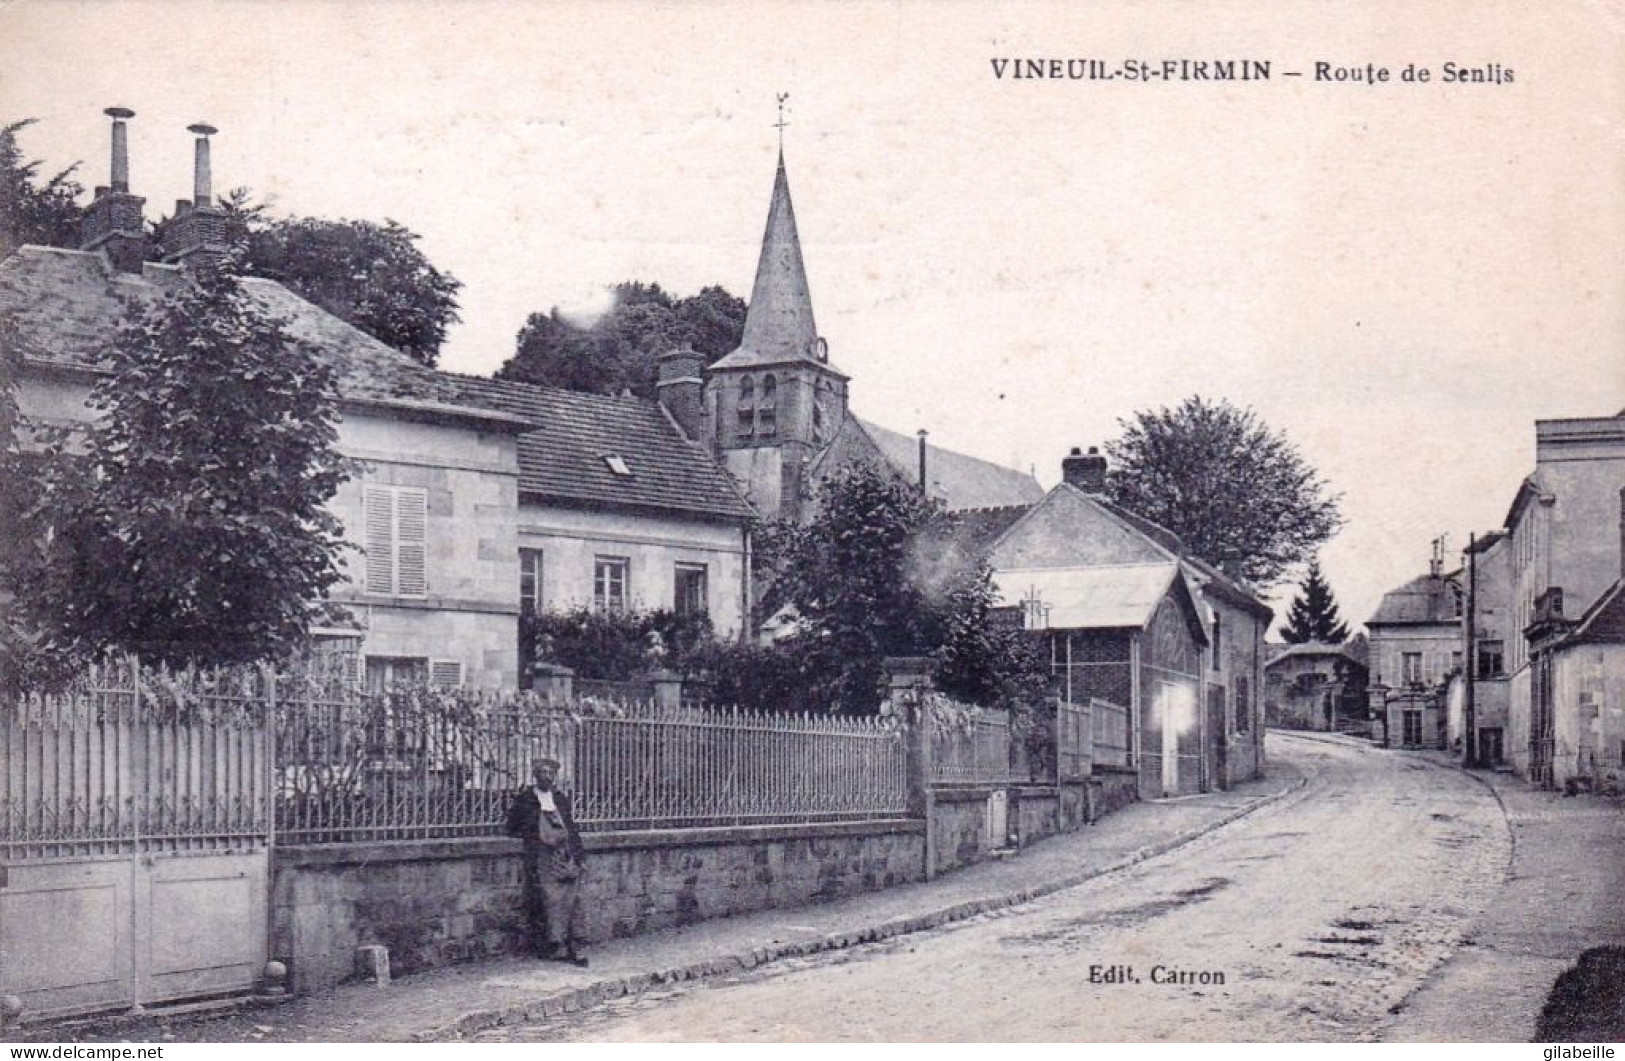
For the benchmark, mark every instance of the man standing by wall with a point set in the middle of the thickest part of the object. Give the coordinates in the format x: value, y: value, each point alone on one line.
x: 540, y: 816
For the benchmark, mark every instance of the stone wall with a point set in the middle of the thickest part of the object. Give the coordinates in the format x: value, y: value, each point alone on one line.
x: 959, y: 827
x: 1042, y: 811
x: 440, y: 901
x: 1111, y: 790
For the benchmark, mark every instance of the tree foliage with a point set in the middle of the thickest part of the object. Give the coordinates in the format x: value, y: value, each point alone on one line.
x: 373, y: 276
x: 1240, y: 495
x: 192, y: 527
x: 1314, y: 615
x: 34, y: 209
x: 876, y: 573
x: 619, y: 351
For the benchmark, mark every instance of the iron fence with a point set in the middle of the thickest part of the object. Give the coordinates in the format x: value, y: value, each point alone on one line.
x: 971, y: 746
x: 420, y: 765
x: 688, y: 767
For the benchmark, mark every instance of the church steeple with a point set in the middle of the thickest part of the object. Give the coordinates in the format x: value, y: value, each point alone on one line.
x: 776, y: 402
x: 779, y: 322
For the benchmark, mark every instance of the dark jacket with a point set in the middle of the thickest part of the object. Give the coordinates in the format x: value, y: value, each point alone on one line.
x: 523, y: 821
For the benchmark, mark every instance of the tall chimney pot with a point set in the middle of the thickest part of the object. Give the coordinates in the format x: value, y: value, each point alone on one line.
x: 196, y: 235
x: 121, y: 147
x: 202, y: 195
x: 113, y: 222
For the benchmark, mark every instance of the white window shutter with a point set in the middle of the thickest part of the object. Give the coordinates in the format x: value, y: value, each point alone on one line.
x: 411, y: 543
x: 378, y: 519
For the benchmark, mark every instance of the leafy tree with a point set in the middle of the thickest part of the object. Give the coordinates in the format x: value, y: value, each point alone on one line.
x: 34, y: 209
x: 620, y: 350
x: 19, y: 553
x: 370, y: 275
x: 1314, y: 616
x: 193, y: 527
x: 1240, y: 495
x: 876, y: 574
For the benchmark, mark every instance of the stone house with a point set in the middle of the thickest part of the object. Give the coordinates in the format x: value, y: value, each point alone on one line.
x: 1415, y: 652
x: 475, y: 497
x: 1133, y: 619
x: 618, y: 510
x: 1314, y: 685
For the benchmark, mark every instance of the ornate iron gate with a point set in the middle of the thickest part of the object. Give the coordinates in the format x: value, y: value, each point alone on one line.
x: 134, y: 835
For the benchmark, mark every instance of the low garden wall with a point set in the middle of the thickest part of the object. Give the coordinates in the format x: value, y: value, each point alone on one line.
x: 434, y: 902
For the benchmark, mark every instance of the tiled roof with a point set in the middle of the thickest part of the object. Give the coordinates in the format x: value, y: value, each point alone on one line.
x: 1604, y: 621
x: 976, y: 529
x: 1276, y: 653
x: 1428, y: 599
x: 68, y: 304
x: 565, y: 459
x: 958, y: 480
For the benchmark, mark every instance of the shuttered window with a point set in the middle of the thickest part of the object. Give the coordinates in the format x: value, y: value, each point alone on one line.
x: 396, y: 524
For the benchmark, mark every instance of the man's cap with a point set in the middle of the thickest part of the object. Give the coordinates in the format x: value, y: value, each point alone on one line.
x: 554, y: 763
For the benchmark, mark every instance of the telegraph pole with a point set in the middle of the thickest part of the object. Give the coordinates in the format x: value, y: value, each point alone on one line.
x: 1470, y: 736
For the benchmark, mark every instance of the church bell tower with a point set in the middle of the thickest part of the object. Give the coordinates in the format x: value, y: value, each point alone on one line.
x: 776, y: 402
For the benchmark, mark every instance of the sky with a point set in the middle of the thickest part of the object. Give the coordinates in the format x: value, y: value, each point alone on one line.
x: 1399, y: 276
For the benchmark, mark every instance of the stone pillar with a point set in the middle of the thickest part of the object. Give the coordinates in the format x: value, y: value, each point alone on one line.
x: 668, y: 689
x: 552, y: 682
x: 907, y: 677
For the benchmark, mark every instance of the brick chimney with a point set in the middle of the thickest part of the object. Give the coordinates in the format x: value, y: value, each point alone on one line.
x: 681, y: 388
x: 197, y: 232
x: 113, y: 222
x: 1086, y: 471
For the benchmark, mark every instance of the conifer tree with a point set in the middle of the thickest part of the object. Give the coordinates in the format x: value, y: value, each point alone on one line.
x: 1314, y: 615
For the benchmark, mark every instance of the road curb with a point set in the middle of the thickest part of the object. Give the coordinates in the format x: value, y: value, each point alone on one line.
x: 575, y: 999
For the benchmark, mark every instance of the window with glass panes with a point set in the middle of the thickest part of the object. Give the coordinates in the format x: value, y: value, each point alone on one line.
x: 530, y: 579
x: 610, y: 575
x: 688, y: 592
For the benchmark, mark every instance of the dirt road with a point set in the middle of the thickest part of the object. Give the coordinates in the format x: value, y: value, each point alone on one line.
x: 1311, y: 919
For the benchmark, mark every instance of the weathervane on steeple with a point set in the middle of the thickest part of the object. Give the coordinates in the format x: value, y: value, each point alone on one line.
x: 782, y: 122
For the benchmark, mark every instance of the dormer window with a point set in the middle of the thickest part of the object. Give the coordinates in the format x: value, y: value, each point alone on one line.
x: 617, y: 465
x: 767, y: 409
x: 747, y: 407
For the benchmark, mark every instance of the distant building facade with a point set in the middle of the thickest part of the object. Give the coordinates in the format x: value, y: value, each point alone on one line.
x: 1415, y: 638
x: 1315, y: 686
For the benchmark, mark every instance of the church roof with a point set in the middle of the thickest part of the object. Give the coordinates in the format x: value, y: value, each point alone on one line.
x: 568, y: 458
x: 958, y: 480
x: 779, y: 320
